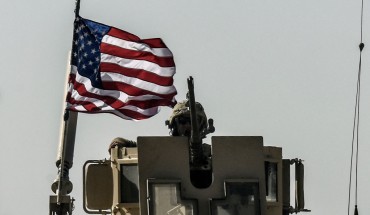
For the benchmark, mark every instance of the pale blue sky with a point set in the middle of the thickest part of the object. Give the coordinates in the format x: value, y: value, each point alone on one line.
x: 285, y: 70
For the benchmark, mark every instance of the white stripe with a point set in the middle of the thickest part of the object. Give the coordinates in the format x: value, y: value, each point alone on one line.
x: 160, y: 52
x: 138, y: 64
x: 145, y: 85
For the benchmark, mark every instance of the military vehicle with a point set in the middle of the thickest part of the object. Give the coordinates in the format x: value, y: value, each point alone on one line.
x: 181, y: 175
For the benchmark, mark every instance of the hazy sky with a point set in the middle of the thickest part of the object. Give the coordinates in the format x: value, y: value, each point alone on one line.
x: 285, y: 70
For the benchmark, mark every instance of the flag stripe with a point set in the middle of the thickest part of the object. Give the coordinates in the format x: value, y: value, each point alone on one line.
x: 124, y: 35
x: 141, y: 74
x: 155, y: 43
x: 138, y: 64
x: 152, y: 42
x: 126, y: 44
x: 138, y: 55
x: 135, y: 83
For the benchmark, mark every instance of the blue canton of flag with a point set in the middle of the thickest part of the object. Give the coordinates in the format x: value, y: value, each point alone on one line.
x: 86, y: 49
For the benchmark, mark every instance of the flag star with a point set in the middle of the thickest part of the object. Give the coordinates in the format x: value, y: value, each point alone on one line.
x: 85, y: 54
x: 81, y: 37
x: 76, y: 42
x: 82, y: 46
x: 86, y: 34
x: 74, y: 54
x: 90, y: 62
x: 89, y: 43
x: 83, y: 66
x: 97, y: 59
x: 93, y: 51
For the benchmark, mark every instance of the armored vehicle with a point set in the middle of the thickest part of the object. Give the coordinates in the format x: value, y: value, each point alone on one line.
x: 181, y: 175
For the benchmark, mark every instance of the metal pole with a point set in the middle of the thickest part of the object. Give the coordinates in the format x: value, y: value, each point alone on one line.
x: 65, y: 153
x: 62, y: 186
x: 67, y: 135
x: 62, y: 203
x: 77, y: 9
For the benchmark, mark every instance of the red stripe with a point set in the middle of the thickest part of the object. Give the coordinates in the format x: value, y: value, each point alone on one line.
x: 91, y: 107
x: 72, y: 78
x: 137, y: 55
x: 133, y: 91
x: 123, y: 35
x: 153, y: 43
x: 137, y: 73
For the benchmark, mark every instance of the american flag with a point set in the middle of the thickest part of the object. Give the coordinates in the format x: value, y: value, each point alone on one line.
x: 113, y: 71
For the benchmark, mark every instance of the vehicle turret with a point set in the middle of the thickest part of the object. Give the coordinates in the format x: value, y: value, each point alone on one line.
x: 179, y: 174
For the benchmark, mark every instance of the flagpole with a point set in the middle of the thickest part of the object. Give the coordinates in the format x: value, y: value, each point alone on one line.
x: 61, y: 203
x: 77, y: 9
x: 66, y: 144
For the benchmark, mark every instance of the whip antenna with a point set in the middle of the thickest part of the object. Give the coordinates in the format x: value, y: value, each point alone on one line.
x: 356, y: 124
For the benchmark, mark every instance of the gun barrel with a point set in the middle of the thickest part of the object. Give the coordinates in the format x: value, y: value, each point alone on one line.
x: 196, y: 151
x: 195, y: 134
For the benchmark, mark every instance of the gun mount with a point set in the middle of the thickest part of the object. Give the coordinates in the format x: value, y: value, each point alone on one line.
x: 200, y: 162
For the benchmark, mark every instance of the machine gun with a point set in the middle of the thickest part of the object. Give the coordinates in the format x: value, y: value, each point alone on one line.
x: 200, y: 163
